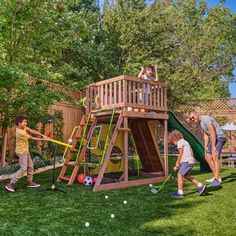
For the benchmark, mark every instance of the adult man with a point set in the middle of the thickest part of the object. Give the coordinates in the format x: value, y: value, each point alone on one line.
x: 214, y: 139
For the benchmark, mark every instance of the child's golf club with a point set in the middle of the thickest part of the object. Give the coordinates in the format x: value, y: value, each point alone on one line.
x: 158, y: 189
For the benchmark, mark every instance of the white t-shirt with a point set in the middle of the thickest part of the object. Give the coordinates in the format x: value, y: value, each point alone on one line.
x: 187, y: 151
x: 147, y: 78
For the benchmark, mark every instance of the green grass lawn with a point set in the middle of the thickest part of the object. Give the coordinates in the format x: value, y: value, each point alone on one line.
x: 28, y: 212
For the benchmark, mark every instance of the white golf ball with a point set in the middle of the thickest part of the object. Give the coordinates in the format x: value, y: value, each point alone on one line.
x: 87, y: 224
x: 125, y: 202
x: 112, y: 215
x: 150, y: 185
x: 70, y: 140
x: 106, y: 197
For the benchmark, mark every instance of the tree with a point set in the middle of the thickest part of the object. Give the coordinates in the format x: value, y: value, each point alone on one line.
x: 18, y: 97
x: 39, y: 38
x: 73, y: 42
x: 192, y: 44
x: 18, y: 43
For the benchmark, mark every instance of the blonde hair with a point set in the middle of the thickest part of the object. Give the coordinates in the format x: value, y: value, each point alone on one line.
x: 191, y: 112
x: 175, y: 136
x: 188, y: 114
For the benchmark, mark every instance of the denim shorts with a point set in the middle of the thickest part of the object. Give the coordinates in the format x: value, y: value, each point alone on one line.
x: 219, y: 145
x: 185, y: 168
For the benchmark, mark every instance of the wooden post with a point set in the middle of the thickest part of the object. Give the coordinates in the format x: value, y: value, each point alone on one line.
x: 129, y: 91
x: 166, y: 147
x: 87, y: 100
x: 134, y: 93
x: 126, y: 153
x: 106, y: 98
x: 107, y: 155
x: 115, y: 92
x: 125, y: 93
x: 119, y: 92
x: 4, y: 148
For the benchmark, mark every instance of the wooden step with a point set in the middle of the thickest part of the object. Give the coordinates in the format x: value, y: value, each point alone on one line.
x: 66, y: 179
x: 76, y: 137
x: 124, y: 129
x: 73, y: 150
x: 70, y: 163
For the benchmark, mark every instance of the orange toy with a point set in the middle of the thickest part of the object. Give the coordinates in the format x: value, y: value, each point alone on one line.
x: 81, y: 178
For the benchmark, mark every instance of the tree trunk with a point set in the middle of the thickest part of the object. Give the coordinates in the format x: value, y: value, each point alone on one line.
x: 4, y: 147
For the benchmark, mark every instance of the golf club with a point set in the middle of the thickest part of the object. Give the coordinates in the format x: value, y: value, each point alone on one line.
x: 158, y: 188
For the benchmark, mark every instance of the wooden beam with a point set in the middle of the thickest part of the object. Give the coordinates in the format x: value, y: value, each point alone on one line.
x: 107, y: 81
x: 128, y: 184
x: 106, y: 113
x: 108, y: 153
x: 130, y: 78
x: 152, y: 174
x: 147, y: 115
x: 166, y: 147
x: 125, y: 146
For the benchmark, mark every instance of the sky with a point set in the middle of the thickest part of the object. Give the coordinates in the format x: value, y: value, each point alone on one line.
x: 232, y: 5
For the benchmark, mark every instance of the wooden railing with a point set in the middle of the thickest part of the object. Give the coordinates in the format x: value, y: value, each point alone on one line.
x: 126, y: 92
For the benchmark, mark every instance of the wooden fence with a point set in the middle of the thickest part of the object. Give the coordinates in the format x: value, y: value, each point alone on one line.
x: 72, y: 116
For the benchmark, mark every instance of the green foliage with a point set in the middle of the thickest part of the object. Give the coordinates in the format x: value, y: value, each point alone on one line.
x: 192, y: 44
x: 222, y: 120
x: 9, y: 169
x: 75, y: 43
x: 19, y: 97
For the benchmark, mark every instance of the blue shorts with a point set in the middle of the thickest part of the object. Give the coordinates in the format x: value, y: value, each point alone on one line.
x: 219, y: 145
x: 185, y: 168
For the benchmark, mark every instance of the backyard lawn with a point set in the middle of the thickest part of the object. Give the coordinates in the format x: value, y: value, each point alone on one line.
x: 29, y: 212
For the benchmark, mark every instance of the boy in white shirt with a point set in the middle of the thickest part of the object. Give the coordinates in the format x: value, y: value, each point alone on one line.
x: 184, y: 163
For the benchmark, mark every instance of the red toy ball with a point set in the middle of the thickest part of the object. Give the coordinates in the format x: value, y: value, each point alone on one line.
x: 81, y: 178
x: 49, y: 134
x: 94, y: 179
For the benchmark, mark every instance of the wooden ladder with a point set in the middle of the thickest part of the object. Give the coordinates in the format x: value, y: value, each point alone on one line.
x: 69, y: 153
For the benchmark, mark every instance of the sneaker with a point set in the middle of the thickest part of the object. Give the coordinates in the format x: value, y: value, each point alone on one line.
x: 215, y: 183
x: 212, y: 179
x: 10, y: 187
x: 33, y: 184
x: 177, y: 195
x: 201, y: 190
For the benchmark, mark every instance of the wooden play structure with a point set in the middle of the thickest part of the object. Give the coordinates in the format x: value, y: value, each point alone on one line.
x: 128, y: 106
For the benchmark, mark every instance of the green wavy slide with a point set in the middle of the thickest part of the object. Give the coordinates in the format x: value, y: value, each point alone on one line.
x: 197, y: 147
